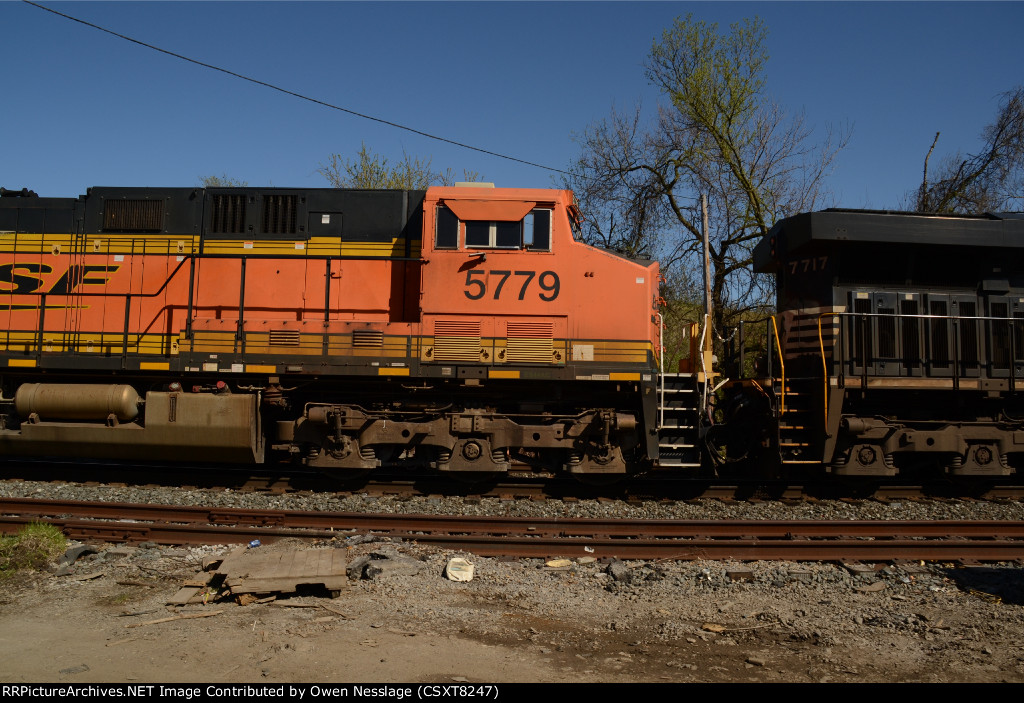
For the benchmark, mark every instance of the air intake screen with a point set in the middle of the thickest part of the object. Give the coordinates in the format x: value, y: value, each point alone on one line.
x: 529, y: 342
x: 456, y: 340
x: 228, y: 214
x: 284, y: 338
x: 911, y: 328
x: 968, y: 335
x: 367, y: 339
x: 939, y: 334
x: 280, y: 214
x: 133, y: 215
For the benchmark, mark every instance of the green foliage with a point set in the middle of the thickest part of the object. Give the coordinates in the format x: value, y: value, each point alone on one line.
x: 222, y: 181
x: 372, y: 171
x: 716, y: 133
x: 32, y: 548
x: 715, y: 84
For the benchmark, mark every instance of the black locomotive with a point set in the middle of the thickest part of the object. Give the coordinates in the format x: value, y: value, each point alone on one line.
x: 897, y: 346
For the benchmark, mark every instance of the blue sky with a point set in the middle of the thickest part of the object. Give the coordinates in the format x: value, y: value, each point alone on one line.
x: 82, y: 108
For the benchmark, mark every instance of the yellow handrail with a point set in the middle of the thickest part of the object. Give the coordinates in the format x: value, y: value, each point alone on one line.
x: 782, y: 366
x: 824, y: 364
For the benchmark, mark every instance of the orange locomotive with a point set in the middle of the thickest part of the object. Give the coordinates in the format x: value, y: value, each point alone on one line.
x: 460, y: 328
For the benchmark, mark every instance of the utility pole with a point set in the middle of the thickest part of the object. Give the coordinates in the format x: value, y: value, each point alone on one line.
x: 708, y: 345
x: 707, y: 255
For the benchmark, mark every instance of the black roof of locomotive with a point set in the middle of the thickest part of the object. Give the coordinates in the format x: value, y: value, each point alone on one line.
x: 369, y: 215
x: 837, y: 226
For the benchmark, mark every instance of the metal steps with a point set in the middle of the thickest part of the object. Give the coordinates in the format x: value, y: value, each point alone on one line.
x: 798, y: 443
x: 679, y: 412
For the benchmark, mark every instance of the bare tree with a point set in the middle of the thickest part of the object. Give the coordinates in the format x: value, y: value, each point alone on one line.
x: 222, y: 181
x: 718, y: 133
x: 988, y: 181
x: 372, y: 171
x: 447, y: 177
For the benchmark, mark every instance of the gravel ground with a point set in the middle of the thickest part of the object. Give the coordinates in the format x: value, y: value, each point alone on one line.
x: 400, y: 619
x: 679, y: 510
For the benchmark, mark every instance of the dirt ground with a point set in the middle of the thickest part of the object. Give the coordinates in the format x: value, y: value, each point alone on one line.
x: 516, y: 621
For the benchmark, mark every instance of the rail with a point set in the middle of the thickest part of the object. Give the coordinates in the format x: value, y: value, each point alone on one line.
x: 523, y: 537
x: 824, y: 365
x: 661, y: 368
x: 991, y: 360
x: 782, y: 367
x: 771, y: 331
x: 70, y: 339
x: 1000, y: 356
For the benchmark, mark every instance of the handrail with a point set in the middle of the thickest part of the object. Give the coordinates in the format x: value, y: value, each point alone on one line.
x: 703, y: 365
x: 661, y: 368
x: 824, y: 365
x: 1011, y: 321
x: 782, y: 367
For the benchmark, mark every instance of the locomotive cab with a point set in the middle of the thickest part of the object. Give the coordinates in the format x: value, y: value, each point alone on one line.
x: 547, y: 332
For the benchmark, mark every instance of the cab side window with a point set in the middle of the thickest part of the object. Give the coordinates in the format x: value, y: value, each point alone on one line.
x: 537, y: 230
x: 494, y: 235
x: 447, y: 235
x: 533, y: 232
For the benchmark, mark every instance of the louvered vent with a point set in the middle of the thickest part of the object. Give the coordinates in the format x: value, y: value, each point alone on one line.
x: 228, y: 214
x: 280, y: 214
x: 456, y: 340
x: 133, y: 215
x: 367, y: 339
x: 284, y: 338
x: 529, y: 342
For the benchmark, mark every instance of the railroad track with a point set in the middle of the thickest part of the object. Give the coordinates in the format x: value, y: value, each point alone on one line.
x: 400, y: 485
x: 793, y: 540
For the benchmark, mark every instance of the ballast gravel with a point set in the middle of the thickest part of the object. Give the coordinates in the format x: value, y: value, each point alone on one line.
x: 604, y: 508
x: 523, y: 619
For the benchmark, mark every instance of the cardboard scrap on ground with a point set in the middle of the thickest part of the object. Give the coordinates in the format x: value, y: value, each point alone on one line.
x: 194, y: 590
x: 247, y: 571
x: 252, y: 576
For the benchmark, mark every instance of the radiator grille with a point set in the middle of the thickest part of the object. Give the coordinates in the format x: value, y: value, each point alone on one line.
x: 367, y: 339
x: 456, y: 340
x: 284, y: 338
x: 228, y: 214
x: 969, y: 335
x: 939, y: 334
x: 133, y: 215
x: 1018, y: 331
x: 280, y: 214
x: 529, y: 342
x: 911, y: 331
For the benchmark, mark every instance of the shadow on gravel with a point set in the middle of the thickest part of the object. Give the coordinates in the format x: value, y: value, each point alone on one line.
x: 1005, y: 585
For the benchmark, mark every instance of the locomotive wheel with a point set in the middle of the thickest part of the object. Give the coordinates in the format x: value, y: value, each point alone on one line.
x: 599, y: 479
x: 387, y: 454
x: 598, y: 468
x: 480, y: 480
x: 346, y: 475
